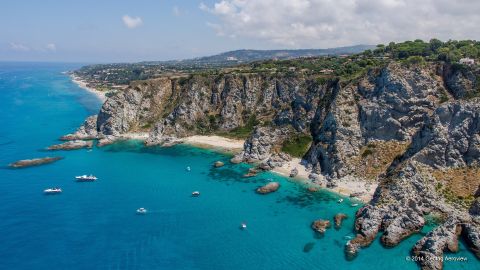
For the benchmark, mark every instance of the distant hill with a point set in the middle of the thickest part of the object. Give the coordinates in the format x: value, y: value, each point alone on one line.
x: 124, y: 73
x: 231, y: 58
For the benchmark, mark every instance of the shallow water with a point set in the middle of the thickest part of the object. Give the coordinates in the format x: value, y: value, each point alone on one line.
x: 94, y: 225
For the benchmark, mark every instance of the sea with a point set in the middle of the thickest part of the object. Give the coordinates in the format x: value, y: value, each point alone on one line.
x: 94, y: 225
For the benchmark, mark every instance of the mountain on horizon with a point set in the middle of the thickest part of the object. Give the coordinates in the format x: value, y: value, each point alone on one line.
x: 242, y: 56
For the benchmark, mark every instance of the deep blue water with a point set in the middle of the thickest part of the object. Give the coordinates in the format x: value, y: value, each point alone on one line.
x: 94, y: 225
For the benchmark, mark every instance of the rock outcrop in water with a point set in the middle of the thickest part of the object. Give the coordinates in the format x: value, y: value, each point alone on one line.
x: 320, y: 226
x: 411, y: 129
x: 268, y: 188
x: 71, y: 145
x: 33, y: 162
x: 339, y: 219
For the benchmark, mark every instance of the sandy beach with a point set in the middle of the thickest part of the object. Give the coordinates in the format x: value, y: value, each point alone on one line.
x: 351, y: 185
x: 289, y: 166
x: 101, y: 95
x: 346, y: 186
x: 215, y: 141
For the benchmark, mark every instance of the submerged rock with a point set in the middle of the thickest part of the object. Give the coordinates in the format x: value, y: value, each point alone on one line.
x: 251, y: 173
x: 218, y: 164
x: 72, y: 145
x: 308, y: 247
x: 339, y: 219
x: 320, y: 225
x: 268, y: 188
x: 33, y: 162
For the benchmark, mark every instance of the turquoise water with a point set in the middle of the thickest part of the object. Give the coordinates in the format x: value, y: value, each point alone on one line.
x: 94, y: 225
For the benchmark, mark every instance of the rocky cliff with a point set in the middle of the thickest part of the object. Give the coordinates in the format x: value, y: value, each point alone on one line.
x: 411, y: 129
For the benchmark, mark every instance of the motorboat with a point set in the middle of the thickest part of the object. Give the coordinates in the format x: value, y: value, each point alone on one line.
x: 195, y: 193
x: 141, y: 211
x: 340, y: 200
x: 243, y: 226
x: 86, y: 178
x: 354, y: 204
x: 52, y: 191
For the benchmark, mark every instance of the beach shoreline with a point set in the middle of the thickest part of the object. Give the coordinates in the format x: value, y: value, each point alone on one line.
x: 82, y: 84
x: 213, y: 141
x: 345, y: 186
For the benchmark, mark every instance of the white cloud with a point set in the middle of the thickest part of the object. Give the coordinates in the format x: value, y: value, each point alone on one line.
x: 19, y: 47
x: 132, y: 22
x: 327, y: 23
x: 51, y: 47
x: 176, y: 11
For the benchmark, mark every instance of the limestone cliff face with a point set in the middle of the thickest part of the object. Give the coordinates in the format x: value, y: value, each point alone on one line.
x: 397, y: 126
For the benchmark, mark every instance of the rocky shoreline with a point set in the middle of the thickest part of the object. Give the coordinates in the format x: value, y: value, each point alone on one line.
x: 386, y: 135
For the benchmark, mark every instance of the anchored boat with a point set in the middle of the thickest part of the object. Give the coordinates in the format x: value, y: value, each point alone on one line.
x: 86, y: 178
x: 51, y: 191
x: 141, y: 211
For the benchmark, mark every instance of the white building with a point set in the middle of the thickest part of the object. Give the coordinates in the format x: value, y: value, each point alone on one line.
x: 467, y: 61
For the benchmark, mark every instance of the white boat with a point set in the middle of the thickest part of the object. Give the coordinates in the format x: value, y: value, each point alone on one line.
x: 141, y: 210
x: 188, y: 169
x: 340, y: 200
x: 243, y: 226
x: 195, y: 193
x: 52, y: 191
x: 354, y: 204
x: 86, y: 178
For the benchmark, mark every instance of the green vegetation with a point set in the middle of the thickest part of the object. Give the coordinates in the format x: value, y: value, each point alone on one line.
x: 244, y: 131
x: 367, y: 152
x: 297, y: 146
x: 320, y: 69
x: 443, y: 95
x: 241, y: 132
x: 462, y: 201
x: 450, y: 51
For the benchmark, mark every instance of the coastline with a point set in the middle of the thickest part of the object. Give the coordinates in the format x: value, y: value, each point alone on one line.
x: 99, y: 94
x: 345, y: 186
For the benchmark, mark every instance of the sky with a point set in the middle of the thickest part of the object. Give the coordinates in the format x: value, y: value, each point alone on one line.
x: 102, y: 31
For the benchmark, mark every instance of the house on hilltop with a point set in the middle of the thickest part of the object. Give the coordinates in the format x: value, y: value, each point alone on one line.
x: 467, y: 61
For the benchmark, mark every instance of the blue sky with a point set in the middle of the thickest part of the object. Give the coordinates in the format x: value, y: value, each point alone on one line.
x: 136, y: 30
x: 94, y: 30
